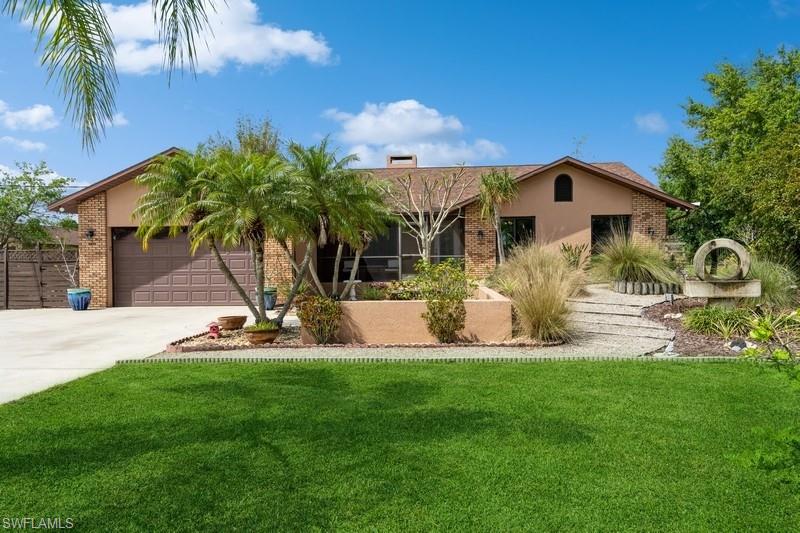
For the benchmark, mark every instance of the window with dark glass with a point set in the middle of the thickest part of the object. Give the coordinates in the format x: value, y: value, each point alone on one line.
x: 391, y: 255
x: 563, y: 188
x: 603, y: 226
x: 517, y: 230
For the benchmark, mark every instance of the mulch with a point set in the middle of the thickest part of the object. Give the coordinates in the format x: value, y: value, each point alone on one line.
x: 687, y: 342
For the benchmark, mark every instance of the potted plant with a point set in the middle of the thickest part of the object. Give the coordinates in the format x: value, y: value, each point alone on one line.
x: 78, y: 297
x: 270, y: 297
x: 262, y: 332
x: 231, y: 322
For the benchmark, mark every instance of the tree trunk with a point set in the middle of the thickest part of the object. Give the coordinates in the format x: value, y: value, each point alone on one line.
x: 257, y: 249
x: 501, y: 253
x: 336, y: 263
x: 231, y: 278
x: 295, y: 286
x: 315, y: 278
x: 353, y: 274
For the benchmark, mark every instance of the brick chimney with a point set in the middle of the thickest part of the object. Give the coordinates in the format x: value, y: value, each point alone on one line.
x: 401, y: 161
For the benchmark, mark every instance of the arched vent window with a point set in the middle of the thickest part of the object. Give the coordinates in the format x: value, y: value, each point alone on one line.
x: 563, y: 187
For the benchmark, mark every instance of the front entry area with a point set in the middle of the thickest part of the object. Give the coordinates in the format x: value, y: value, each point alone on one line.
x: 169, y: 275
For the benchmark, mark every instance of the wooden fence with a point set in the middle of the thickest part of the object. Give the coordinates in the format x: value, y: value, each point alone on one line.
x: 32, y: 279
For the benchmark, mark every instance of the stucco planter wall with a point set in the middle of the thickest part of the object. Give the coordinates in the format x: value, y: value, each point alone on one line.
x: 400, y: 322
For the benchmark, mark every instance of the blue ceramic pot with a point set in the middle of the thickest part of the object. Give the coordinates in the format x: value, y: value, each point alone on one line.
x: 79, y: 299
x: 270, y: 298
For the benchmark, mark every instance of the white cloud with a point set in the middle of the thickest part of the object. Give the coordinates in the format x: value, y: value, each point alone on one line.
x: 118, y: 120
x: 652, y: 122
x: 23, y: 144
x: 409, y: 127
x: 35, y: 118
x: 785, y: 8
x: 236, y: 36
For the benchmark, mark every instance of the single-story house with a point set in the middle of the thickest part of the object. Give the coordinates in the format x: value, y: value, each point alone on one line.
x: 567, y: 200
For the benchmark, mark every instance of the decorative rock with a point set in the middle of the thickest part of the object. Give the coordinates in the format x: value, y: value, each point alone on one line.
x: 674, y: 316
x: 737, y: 345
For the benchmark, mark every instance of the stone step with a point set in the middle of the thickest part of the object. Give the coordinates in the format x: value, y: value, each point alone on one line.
x: 619, y: 320
x: 605, y: 309
x: 624, y: 330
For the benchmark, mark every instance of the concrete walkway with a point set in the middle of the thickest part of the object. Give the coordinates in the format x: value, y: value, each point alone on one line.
x: 606, y: 317
x: 44, y: 347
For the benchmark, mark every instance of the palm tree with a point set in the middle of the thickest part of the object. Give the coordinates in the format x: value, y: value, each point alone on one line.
x: 245, y: 203
x: 347, y: 206
x: 496, y: 188
x: 175, y: 189
x: 78, y: 48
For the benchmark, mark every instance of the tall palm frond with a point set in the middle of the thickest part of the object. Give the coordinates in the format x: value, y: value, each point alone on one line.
x: 79, y: 52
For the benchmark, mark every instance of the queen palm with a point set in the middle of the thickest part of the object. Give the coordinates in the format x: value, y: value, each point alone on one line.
x: 347, y: 206
x: 78, y: 49
x: 175, y: 188
x: 496, y: 188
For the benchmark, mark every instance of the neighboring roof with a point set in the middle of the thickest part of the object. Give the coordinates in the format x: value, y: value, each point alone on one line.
x: 615, y: 172
x: 70, y: 202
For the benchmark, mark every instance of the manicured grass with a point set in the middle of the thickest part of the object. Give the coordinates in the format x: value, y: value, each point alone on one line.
x: 568, y: 446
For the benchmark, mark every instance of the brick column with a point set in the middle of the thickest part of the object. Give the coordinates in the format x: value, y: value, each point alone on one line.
x: 277, y: 268
x: 648, y: 219
x: 480, y: 248
x: 94, y: 252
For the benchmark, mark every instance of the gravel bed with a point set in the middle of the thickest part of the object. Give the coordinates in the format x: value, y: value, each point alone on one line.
x: 290, y: 335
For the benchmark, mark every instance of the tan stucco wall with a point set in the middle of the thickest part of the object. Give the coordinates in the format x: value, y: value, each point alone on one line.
x: 365, y: 322
x: 558, y: 222
x: 121, y: 203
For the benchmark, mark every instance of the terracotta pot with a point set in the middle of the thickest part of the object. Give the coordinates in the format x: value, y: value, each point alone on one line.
x: 231, y: 322
x: 261, y: 337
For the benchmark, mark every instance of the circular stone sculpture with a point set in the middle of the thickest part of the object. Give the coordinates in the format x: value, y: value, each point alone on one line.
x: 718, y: 244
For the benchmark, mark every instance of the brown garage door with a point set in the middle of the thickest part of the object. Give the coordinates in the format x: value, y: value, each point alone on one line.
x: 167, y: 274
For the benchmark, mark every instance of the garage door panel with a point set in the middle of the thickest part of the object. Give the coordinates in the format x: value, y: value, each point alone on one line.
x: 167, y: 274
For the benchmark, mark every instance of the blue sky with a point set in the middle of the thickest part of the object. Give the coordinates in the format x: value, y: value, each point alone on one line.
x: 481, y: 82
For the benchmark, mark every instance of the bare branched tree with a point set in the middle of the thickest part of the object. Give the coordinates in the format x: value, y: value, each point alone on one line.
x: 425, y: 204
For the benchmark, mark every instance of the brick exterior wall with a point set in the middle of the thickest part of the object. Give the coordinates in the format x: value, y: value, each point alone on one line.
x: 480, y: 251
x: 277, y: 268
x: 94, y: 252
x: 648, y: 218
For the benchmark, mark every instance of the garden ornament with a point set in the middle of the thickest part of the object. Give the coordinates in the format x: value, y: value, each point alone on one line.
x: 213, y: 330
x: 722, y: 290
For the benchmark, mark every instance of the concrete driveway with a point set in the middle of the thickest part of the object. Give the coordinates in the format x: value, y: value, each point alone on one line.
x: 44, y: 347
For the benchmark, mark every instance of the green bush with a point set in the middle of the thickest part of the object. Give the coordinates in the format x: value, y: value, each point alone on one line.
x: 263, y: 326
x: 444, y: 287
x: 372, y: 292
x: 620, y: 258
x: 320, y: 316
x: 778, y: 283
x: 718, y: 321
x: 405, y: 289
x: 778, y: 336
x: 539, y: 282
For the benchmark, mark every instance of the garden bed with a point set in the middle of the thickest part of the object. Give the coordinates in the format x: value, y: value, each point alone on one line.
x: 688, y: 342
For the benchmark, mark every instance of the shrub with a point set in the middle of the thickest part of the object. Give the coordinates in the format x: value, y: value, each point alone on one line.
x: 778, y: 283
x: 778, y: 336
x: 539, y: 282
x: 263, y: 326
x: 620, y: 258
x: 320, y: 316
x: 372, y: 292
x: 575, y: 254
x: 444, y: 287
x: 405, y: 289
x: 718, y: 321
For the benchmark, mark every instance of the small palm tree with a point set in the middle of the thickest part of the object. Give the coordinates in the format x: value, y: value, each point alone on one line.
x: 175, y: 190
x: 79, y: 49
x: 496, y: 188
x: 244, y: 203
x: 347, y: 206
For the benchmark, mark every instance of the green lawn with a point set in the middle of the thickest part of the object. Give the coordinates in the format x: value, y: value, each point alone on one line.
x: 570, y: 446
